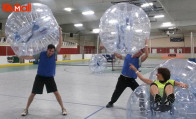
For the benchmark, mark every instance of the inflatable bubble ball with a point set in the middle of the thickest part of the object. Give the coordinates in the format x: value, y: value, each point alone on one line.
x: 124, y: 28
x: 141, y: 106
x: 181, y: 70
x: 98, y: 63
x: 31, y: 32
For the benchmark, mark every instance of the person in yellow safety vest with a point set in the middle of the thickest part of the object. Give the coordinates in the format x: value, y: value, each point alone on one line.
x: 162, y: 86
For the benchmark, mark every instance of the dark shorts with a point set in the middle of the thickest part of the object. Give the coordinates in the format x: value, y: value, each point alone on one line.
x: 39, y: 84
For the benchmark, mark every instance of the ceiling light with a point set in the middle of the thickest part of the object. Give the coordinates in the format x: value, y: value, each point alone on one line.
x: 96, y: 30
x: 147, y: 4
x: 78, y: 25
x: 159, y: 16
x: 167, y: 24
x: 88, y: 12
x: 68, y: 9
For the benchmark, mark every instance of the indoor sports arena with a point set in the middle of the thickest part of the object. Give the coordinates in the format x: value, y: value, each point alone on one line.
x: 97, y: 59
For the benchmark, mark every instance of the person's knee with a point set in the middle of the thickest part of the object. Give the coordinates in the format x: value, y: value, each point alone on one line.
x: 56, y: 93
x: 168, y: 86
x: 33, y: 94
x: 153, y: 85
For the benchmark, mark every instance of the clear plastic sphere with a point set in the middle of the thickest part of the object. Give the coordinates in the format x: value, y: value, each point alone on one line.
x: 97, y: 63
x: 181, y: 70
x: 30, y: 33
x: 124, y: 28
x: 139, y: 105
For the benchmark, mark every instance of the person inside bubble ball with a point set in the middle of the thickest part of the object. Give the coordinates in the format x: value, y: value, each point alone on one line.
x: 161, y: 89
x: 127, y: 77
x: 45, y: 74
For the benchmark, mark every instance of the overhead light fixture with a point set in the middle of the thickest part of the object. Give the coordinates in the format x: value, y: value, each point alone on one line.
x: 88, y: 13
x: 96, y: 30
x: 167, y: 24
x: 147, y: 4
x: 68, y: 9
x: 78, y: 25
x: 159, y: 16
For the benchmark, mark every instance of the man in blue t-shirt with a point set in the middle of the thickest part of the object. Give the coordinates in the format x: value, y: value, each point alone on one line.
x: 45, y: 74
x: 128, y: 76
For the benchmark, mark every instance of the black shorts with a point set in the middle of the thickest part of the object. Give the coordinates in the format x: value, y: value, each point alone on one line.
x: 39, y: 84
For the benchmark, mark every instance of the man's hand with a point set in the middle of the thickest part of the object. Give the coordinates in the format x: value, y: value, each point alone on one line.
x: 118, y: 55
x: 144, y: 57
x: 132, y: 67
x: 60, y: 30
x: 146, y: 42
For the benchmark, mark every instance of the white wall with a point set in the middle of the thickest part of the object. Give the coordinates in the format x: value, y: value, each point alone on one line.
x: 59, y: 57
x: 3, y: 60
x: 76, y: 56
x: 182, y: 55
x: 87, y: 56
x: 165, y: 42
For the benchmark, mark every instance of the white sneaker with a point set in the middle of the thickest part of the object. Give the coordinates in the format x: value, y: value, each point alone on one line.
x: 64, y: 112
x: 24, y: 113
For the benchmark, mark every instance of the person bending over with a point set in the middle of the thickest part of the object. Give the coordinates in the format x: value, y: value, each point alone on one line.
x: 128, y: 76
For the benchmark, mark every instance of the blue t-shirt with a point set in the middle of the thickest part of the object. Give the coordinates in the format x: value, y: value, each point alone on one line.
x: 47, y: 65
x: 126, y: 71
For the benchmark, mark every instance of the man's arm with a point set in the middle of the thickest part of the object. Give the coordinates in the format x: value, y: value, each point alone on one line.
x: 145, y: 56
x: 119, y: 56
x: 60, y: 40
x: 145, y: 80
x: 36, y: 57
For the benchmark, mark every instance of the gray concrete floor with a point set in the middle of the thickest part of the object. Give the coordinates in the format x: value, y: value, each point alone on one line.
x: 84, y: 94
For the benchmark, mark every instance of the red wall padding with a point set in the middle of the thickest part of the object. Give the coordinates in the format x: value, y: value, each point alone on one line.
x: 89, y: 50
x: 3, y: 51
x: 62, y: 51
x: 10, y: 51
x: 69, y: 51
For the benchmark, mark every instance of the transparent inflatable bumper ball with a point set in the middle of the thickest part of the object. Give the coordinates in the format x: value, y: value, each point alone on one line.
x: 124, y: 28
x: 29, y: 33
x: 98, y: 63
